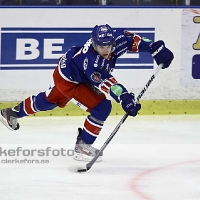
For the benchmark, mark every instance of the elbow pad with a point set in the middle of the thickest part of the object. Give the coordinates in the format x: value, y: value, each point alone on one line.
x: 113, y: 88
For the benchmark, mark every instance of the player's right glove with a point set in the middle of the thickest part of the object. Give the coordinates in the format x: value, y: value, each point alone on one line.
x: 128, y: 103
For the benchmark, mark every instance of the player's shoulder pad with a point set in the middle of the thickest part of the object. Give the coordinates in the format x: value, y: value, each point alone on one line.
x: 87, y: 55
x: 128, y: 33
x: 87, y: 46
x: 65, y: 59
x: 121, y: 42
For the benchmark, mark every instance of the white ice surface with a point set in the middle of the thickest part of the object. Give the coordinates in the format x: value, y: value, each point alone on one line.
x: 150, y: 157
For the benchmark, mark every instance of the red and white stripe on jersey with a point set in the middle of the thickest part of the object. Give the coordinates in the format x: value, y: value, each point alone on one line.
x: 28, y: 106
x: 136, y: 43
x: 92, y: 128
x: 107, y: 84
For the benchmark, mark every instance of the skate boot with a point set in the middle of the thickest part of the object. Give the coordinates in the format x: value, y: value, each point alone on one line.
x: 9, y: 118
x: 85, y: 152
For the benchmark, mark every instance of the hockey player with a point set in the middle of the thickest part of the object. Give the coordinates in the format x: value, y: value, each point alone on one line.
x: 83, y: 75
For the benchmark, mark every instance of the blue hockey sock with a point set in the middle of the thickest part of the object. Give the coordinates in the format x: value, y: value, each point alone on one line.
x: 94, y: 122
x: 33, y: 104
x: 91, y: 130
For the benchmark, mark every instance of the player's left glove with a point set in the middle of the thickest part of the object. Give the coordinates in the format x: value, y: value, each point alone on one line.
x: 129, y: 105
x: 161, y: 54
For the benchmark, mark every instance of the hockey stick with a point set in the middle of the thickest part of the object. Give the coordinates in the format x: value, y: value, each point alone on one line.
x: 89, y: 165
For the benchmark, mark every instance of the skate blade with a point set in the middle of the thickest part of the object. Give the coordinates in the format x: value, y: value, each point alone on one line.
x: 2, y: 119
x: 85, y: 158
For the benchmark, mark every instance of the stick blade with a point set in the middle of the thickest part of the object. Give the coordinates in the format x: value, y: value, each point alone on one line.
x: 77, y: 168
x: 82, y: 170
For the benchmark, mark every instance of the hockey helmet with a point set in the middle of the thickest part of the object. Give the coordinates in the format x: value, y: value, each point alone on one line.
x: 102, y: 35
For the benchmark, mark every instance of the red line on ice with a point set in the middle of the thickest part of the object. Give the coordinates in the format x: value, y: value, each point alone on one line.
x: 139, y: 177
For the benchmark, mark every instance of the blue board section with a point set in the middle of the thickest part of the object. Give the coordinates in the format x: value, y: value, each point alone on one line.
x: 196, y: 66
x: 40, y: 48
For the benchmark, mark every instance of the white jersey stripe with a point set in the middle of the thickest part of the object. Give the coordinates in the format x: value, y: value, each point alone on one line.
x: 31, y: 98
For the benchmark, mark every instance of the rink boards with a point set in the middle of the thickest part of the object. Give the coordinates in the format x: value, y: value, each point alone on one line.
x: 149, y: 107
x: 32, y: 43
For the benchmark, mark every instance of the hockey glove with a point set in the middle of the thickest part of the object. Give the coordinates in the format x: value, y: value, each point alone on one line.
x: 129, y: 105
x: 161, y: 54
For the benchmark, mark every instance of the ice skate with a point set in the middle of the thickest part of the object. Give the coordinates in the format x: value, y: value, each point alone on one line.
x: 9, y: 118
x: 85, y: 152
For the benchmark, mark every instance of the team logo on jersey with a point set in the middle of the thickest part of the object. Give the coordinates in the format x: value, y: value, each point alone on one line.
x: 96, y: 77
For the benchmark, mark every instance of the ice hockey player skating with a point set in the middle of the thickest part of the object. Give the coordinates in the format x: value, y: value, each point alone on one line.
x: 83, y: 75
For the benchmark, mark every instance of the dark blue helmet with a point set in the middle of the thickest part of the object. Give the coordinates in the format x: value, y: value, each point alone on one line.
x: 102, y: 35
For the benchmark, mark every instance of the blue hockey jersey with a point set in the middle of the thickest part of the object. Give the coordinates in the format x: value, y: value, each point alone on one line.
x: 84, y: 64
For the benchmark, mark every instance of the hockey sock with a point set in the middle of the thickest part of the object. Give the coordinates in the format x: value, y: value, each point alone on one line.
x: 94, y: 122
x: 33, y: 104
x: 91, y: 129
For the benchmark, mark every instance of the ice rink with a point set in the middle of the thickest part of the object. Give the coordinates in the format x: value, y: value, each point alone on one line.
x: 150, y: 158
